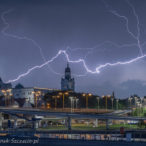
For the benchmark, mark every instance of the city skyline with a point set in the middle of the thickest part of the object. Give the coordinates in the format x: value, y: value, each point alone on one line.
x: 55, y: 26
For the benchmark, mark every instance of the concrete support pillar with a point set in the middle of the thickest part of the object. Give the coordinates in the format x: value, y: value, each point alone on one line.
x: 107, y: 124
x: 1, y: 125
x: 69, y: 123
x: 15, y: 123
x: 66, y: 123
x: 1, y: 120
x: 96, y: 122
x: 40, y: 123
x: 36, y: 124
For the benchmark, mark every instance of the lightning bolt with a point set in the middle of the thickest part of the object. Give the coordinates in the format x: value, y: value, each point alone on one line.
x: 138, y: 28
x: 60, y: 52
x: 4, y: 32
x: 64, y: 52
x: 136, y: 37
x: 92, y: 49
x: 7, y: 26
x: 110, y: 43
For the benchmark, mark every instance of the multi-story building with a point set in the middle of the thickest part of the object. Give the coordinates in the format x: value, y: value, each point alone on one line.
x: 5, y: 93
x: 67, y: 83
x: 30, y: 96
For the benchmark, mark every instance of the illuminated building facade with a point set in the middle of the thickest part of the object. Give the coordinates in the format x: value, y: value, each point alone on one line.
x: 31, y: 96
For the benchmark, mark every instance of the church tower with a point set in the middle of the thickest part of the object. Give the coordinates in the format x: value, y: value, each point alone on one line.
x: 67, y: 83
x: 67, y: 72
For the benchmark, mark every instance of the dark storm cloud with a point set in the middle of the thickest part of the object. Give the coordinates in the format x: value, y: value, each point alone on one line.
x: 131, y: 87
x: 57, y: 24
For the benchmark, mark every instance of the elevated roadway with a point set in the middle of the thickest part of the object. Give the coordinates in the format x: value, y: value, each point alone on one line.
x: 38, y: 112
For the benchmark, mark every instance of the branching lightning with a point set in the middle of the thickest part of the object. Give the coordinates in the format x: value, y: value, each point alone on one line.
x: 4, y: 32
x: 137, y: 36
x: 138, y: 28
x: 82, y: 60
x: 96, y: 71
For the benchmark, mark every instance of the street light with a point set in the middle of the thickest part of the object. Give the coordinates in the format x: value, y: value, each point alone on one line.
x: 37, y: 95
x: 4, y: 92
x: 135, y: 99
x: 112, y: 103
x: 139, y: 107
x: 56, y: 97
x: 141, y: 102
x: 73, y: 100
x: 7, y: 94
x: 87, y: 96
x: 72, y: 103
x: 36, y: 99
x: 117, y: 100
x: 98, y: 98
x: 63, y: 95
x: 130, y: 102
x: 76, y: 100
x: 106, y: 97
x: 8, y: 91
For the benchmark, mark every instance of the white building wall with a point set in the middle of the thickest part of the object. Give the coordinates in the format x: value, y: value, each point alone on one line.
x: 30, y: 94
x: 24, y: 93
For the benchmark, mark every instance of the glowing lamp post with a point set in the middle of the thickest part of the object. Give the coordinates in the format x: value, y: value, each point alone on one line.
x: 37, y: 95
x: 117, y: 100
x: 8, y: 92
x: 72, y: 103
x: 63, y: 95
x: 5, y: 93
x: 106, y: 98
x: 76, y: 100
x: 87, y: 96
x: 56, y: 97
x: 98, y: 98
x: 112, y: 103
x: 130, y: 102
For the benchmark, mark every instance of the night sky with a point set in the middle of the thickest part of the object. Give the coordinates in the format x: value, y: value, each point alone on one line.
x: 33, y: 31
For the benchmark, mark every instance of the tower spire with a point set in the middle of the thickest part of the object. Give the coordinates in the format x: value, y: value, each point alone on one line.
x: 67, y: 72
x: 67, y: 64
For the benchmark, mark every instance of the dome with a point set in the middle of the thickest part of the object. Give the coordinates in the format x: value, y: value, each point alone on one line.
x: 19, y: 86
